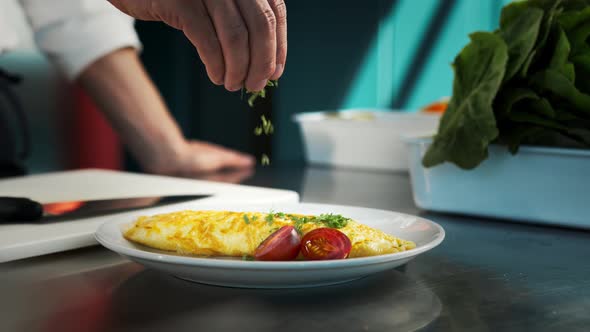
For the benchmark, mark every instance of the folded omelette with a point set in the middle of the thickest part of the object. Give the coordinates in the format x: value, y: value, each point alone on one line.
x: 238, y: 234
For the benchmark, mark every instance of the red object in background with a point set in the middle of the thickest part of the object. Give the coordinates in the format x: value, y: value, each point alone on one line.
x: 93, y: 143
x: 61, y: 207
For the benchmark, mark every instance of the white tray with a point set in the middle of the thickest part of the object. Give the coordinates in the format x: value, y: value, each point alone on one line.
x: 362, y: 138
x: 539, y: 185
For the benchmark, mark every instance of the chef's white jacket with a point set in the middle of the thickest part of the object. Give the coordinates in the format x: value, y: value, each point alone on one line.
x: 73, y: 33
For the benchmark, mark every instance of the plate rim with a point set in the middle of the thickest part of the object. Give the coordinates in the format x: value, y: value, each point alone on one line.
x: 258, y: 265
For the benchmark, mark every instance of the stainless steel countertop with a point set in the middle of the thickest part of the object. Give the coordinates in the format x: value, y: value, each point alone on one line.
x: 487, y: 275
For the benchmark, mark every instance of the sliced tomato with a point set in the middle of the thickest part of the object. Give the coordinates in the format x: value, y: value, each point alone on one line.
x: 282, y: 245
x: 325, y: 243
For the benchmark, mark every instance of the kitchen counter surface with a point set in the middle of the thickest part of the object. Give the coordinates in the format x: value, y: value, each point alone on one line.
x: 487, y: 275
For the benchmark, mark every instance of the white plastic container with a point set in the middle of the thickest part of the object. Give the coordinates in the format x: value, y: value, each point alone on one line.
x: 362, y: 139
x: 538, y: 185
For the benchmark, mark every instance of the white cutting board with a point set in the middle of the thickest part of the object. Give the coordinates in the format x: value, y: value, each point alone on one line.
x: 19, y: 241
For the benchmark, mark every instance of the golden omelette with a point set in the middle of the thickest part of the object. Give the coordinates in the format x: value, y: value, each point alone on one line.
x: 238, y: 234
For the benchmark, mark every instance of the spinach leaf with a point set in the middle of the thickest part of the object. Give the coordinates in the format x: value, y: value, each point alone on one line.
x: 578, y: 38
x: 555, y: 82
x: 519, y: 28
x: 514, y: 135
x: 468, y: 126
x: 507, y: 98
x: 572, y: 19
x: 582, y: 68
x: 551, y: 9
x: 560, y: 59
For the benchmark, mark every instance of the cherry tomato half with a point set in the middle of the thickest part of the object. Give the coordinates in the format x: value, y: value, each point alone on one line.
x: 282, y: 245
x: 325, y: 243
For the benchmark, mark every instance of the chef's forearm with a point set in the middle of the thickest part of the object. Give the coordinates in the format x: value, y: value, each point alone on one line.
x: 123, y: 91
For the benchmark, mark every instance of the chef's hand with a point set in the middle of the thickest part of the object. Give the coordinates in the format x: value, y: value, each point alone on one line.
x: 243, y: 43
x: 199, y: 159
x: 130, y: 101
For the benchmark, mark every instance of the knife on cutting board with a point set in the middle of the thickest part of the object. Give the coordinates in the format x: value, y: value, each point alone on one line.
x: 20, y: 209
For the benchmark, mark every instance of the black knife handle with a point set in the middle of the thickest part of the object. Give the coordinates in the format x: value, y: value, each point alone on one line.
x: 15, y: 209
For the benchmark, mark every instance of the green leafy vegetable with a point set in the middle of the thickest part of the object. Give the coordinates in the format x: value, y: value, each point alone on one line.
x: 519, y: 28
x: 522, y: 84
x: 469, y: 125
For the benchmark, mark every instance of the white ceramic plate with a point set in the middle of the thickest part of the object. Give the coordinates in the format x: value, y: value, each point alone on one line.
x: 253, y: 274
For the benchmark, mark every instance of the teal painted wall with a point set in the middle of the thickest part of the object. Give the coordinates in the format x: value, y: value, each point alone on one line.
x: 377, y: 77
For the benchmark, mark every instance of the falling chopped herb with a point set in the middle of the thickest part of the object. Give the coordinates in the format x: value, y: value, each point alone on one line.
x: 262, y: 93
x: 252, y: 98
x: 246, y: 219
x: 266, y: 127
x: 264, y: 160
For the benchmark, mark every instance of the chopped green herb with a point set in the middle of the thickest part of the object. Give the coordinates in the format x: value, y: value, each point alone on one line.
x: 262, y: 93
x: 266, y: 127
x: 332, y: 220
x: 328, y: 220
x: 246, y: 219
x: 248, y: 258
x: 270, y: 217
x: 264, y: 160
x: 252, y: 98
x: 299, y: 222
x: 254, y: 218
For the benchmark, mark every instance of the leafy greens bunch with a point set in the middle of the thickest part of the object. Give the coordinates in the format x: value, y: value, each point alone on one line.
x: 526, y: 83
